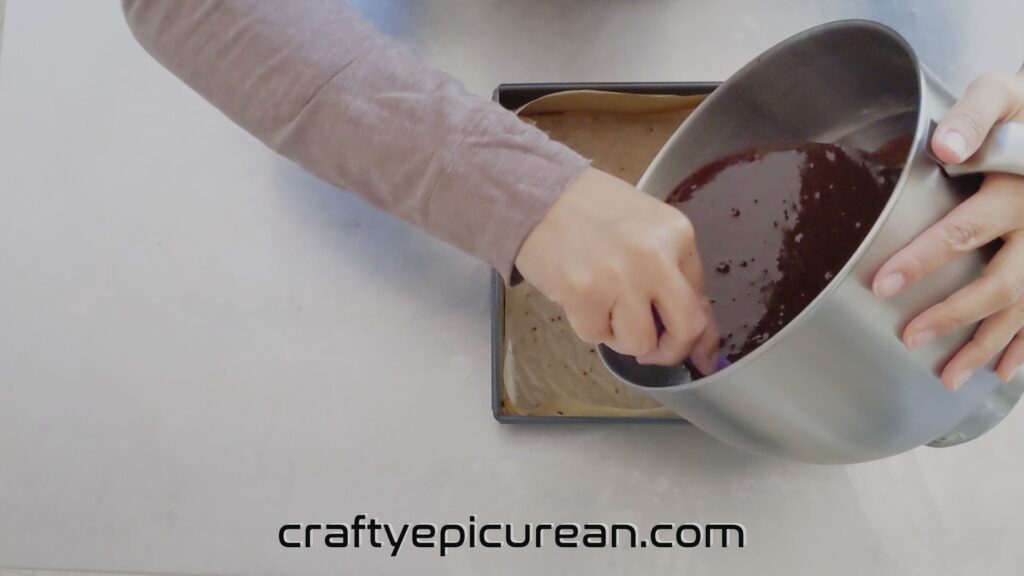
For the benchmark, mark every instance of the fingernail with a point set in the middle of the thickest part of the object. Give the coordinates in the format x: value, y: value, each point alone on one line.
x: 955, y: 142
x: 703, y: 366
x: 889, y: 285
x: 960, y: 378
x: 921, y: 338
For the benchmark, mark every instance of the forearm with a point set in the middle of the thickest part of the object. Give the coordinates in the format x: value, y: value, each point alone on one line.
x: 315, y: 82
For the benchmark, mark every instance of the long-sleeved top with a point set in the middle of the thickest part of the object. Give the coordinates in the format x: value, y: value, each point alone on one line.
x: 318, y: 84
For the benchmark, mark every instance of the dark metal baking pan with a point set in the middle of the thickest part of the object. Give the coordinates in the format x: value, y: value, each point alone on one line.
x: 513, y: 97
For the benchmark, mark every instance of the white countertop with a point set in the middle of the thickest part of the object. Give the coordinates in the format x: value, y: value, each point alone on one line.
x: 199, y: 342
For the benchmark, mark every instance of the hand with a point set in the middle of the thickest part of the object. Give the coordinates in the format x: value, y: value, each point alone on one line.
x: 996, y: 299
x: 611, y: 255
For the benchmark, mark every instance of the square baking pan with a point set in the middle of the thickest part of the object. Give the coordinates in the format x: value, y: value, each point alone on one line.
x: 513, y: 97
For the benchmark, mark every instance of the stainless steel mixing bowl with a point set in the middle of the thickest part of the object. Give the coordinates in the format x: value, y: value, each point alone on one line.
x: 837, y: 385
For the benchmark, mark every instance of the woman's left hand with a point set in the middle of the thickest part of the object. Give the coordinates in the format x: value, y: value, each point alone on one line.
x: 996, y: 299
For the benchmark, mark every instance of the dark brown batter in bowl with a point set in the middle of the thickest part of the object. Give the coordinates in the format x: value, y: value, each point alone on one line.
x: 776, y: 224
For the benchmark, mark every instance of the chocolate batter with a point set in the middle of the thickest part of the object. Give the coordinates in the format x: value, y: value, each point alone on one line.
x: 776, y: 224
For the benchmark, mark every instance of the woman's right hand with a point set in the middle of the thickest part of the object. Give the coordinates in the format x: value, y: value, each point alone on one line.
x: 611, y: 255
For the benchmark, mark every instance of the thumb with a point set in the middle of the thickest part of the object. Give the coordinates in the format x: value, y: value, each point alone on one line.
x: 989, y: 99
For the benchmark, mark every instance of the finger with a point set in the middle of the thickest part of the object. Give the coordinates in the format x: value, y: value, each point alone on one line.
x: 1001, y: 286
x: 633, y: 331
x: 1012, y: 359
x: 992, y: 336
x: 705, y: 352
x: 671, y: 351
x: 684, y: 316
x: 990, y: 213
x: 989, y: 99
x: 692, y: 267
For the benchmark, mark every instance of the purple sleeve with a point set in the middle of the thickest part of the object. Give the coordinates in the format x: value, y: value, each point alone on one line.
x: 318, y: 84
